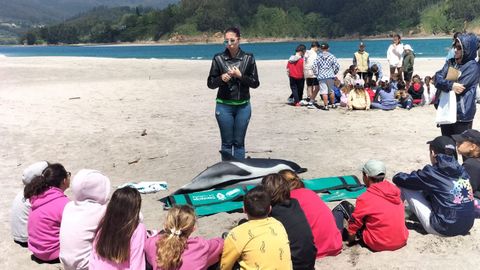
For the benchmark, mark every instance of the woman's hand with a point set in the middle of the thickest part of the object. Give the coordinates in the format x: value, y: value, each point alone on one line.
x: 235, y: 72
x: 226, y: 77
x: 458, y: 88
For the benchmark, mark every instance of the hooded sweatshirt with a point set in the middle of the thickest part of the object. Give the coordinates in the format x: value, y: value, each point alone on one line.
x: 447, y: 185
x: 470, y: 71
x: 326, y: 66
x: 81, y: 216
x: 381, y: 211
x: 44, y: 223
x: 295, y: 67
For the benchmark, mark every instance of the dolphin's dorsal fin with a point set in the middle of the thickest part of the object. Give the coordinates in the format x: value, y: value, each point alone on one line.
x: 227, y: 156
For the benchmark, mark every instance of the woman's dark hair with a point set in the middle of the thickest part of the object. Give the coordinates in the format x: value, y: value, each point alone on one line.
x: 233, y: 30
x: 301, y: 48
x: 277, y: 187
x: 52, y: 176
x: 118, y: 224
x: 398, y: 36
x: 257, y: 202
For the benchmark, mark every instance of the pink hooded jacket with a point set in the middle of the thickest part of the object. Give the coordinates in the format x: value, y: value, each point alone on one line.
x: 44, y: 223
x: 91, y: 190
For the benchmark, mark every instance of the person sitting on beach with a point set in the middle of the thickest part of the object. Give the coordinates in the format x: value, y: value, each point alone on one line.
x: 337, y: 85
x: 468, y: 145
x: 429, y: 91
x: 378, y: 219
x: 358, y: 99
x: 46, y: 194
x: 369, y: 88
x: 288, y: 211
x: 384, y: 96
x: 91, y: 190
x: 394, y: 81
x: 350, y: 76
x: 174, y: 249
x: 405, y: 101
x: 374, y: 69
x: 327, y: 238
x: 416, y: 90
x: 21, y: 207
x: 120, y: 237
x: 259, y: 243
x: 295, y: 74
x: 344, y: 97
x: 440, y: 195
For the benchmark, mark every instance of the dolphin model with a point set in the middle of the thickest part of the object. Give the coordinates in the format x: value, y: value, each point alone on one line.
x: 232, y: 172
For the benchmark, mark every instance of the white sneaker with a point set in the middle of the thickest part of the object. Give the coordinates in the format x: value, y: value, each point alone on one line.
x: 303, y: 102
x: 311, y: 105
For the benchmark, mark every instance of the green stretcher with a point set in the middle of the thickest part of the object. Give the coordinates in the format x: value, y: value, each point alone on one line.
x: 231, y: 200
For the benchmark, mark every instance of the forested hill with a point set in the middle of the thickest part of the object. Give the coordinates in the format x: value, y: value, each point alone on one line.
x: 263, y: 18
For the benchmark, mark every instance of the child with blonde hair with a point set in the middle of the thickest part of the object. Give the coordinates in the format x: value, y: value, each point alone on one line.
x: 174, y: 248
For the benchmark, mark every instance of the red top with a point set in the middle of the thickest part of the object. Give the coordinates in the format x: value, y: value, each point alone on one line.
x: 296, y: 69
x: 326, y: 235
x: 381, y: 210
x: 371, y: 93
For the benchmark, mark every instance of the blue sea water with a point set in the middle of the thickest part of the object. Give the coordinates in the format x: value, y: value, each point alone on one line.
x: 423, y: 48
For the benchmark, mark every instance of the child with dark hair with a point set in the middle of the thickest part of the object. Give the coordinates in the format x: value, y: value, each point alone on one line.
x: 290, y: 214
x: 120, y: 236
x: 440, y: 195
x: 295, y: 74
x: 416, y: 90
x: 326, y: 236
x: 174, y: 249
x: 378, y: 218
x: 259, y: 243
x: 46, y: 194
x: 405, y: 100
x: 21, y: 207
x: 468, y: 145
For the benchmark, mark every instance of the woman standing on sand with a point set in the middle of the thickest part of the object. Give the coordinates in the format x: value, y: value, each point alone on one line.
x: 394, y: 56
x: 233, y: 72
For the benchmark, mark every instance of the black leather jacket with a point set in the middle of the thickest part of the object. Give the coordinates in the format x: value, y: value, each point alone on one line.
x: 235, y: 89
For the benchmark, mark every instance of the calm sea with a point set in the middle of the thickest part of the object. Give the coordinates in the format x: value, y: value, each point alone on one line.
x: 424, y: 48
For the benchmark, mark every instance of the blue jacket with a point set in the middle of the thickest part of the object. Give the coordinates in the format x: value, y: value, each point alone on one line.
x: 466, y: 107
x: 446, y: 184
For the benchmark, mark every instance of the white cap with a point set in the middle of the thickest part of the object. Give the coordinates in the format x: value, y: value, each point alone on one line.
x: 408, y: 47
x: 33, y: 171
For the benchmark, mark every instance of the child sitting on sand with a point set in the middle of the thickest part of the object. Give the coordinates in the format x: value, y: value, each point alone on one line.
x: 259, y: 243
x: 378, y: 218
x: 440, y: 195
x: 326, y: 236
x: 174, y: 249
x: 385, y: 96
x: 46, y: 194
x: 21, y: 207
x: 468, y: 145
x: 429, y: 91
x: 405, y: 101
x: 91, y: 190
x: 344, y: 97
x: 416, y: 90
x: 120, y: 236
x: 290, y: 214
x: 358, y: 99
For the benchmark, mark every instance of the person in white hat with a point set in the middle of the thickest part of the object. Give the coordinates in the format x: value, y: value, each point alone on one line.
x: 408, y: 60
x: 21, y: 206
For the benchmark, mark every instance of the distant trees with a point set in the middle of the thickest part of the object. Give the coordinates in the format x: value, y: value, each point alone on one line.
x: 259, y: 18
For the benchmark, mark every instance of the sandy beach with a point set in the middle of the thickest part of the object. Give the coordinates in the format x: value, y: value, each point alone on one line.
x: 90, y: 113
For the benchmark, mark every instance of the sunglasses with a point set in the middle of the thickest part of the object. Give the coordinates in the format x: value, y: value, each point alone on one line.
x: 229, y: 41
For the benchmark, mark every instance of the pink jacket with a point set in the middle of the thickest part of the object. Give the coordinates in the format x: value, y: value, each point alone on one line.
x: 44, y: 223
x: 199, y: 254
x: 137, y: 255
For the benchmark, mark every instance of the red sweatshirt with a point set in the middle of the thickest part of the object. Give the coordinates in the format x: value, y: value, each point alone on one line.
x: 295, y: 68
x: 326, y: 236
x: 381, y: 210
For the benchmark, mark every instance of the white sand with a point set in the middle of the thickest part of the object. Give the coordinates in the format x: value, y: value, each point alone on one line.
x: 119, y: 98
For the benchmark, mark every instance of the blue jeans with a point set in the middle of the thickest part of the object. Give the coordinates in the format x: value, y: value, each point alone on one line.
x: 233, y: 123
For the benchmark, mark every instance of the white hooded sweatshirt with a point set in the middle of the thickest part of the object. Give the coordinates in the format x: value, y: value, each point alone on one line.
x: 91, y: 190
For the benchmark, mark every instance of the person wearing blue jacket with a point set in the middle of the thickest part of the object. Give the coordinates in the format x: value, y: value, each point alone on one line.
x: 440, y: 195
x: 465, y: 87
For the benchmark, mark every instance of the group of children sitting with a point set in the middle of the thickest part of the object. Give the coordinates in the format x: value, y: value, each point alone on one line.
x: 287, y: 225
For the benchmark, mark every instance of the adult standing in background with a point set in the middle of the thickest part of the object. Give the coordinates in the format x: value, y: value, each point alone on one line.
x: 465, y: 46
x: 233, y: 72
x: 362, y: 61
x: 394, y: 56
x: 311, y: 79
x: 325, y: 67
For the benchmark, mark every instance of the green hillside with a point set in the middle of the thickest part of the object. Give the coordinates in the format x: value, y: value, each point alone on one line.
x: 264, y: 19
